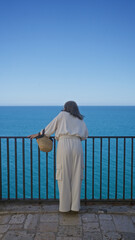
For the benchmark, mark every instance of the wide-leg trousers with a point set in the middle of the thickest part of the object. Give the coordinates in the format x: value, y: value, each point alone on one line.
x: 69, y: 172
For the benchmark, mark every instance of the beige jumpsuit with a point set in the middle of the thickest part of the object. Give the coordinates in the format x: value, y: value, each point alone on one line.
x: 69, y: 131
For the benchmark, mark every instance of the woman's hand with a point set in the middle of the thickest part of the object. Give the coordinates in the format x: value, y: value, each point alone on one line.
x: 33, y: 136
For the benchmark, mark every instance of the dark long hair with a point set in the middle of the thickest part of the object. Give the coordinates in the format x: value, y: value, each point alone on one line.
x: 72, y: 108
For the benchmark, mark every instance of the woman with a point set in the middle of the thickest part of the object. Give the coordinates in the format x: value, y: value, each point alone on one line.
x: 69, y: 129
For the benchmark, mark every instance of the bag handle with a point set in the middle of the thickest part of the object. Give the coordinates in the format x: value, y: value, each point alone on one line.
x: 41, y: 135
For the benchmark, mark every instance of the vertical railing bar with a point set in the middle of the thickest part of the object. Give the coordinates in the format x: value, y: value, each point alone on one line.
x: 8, y: 170
x: 39, y: 194
x: 100, y: 168
x: 85, y: 171
x: 93, y: 171
x: 116, y: 168
x: 108, y: 168
x: 31, y: 169
x: 0, y: 172
x: 124, y: 169
x: 16, y: 167
x: 23, y: 168
x: 54, y: 168
x: 132, y: 149
x: 46, y: 175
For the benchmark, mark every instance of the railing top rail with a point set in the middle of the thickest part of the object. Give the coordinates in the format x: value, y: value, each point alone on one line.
x: 88, y: 137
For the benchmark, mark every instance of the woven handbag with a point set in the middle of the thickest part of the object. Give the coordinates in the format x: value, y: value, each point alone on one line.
x: 45, y: 143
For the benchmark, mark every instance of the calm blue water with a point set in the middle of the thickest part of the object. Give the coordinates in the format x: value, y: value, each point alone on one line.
x: 101, y: 121
x: 16, y: 121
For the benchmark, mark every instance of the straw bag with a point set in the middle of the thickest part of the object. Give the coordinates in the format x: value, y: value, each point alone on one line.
x: 45, y: 143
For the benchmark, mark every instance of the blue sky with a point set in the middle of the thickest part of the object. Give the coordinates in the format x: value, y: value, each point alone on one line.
x: 58, y: 50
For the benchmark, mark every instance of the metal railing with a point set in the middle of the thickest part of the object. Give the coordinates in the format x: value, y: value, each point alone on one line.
x: 27, y: 173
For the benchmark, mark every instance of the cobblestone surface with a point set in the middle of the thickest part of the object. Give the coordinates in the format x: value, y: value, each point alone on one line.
x: 70, y: 219
x: 124, y: 223
x: 45, y: 236
x: 45, y: 222
x: 17, y: 219
x: 31, y: 221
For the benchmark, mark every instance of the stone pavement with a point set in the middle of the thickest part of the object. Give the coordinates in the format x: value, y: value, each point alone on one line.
x: 25, y: 221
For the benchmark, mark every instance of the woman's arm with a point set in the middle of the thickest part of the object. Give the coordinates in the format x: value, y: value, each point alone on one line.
x: 33, y: 136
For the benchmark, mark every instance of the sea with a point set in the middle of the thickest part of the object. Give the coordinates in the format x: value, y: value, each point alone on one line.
x: 100, y: 121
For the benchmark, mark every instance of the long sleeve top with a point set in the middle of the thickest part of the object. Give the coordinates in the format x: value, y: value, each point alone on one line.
x: 66, y: 124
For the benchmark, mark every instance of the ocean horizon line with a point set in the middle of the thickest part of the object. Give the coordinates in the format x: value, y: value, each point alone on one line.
x: 62, y: 105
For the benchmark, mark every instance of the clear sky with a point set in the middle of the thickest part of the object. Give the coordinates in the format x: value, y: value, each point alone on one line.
x: 52, y: 51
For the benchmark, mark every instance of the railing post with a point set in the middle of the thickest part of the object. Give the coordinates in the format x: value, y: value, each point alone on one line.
x: 116, y: 168
x: 93, y: 171
x: 16, y: 167
x: 124, y: 168
x: 85, y: 171
x: 0, y: 172
x: 8, y: 170
x: 100, y: 168
x: 31, y: 168
x: 39, y: 194
x: 54, y: 168
x: 23, y: 168
x: 47, y: 176
x: 108, y: 168
x: 132, y: 150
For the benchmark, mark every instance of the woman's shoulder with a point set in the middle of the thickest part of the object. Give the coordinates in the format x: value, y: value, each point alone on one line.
x: 61, y: 114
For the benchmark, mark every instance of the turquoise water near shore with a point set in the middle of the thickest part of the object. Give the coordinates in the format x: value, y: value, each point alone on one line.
x: 101, y: 121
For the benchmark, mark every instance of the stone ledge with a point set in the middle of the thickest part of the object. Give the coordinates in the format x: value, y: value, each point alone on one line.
x: 6, y: 208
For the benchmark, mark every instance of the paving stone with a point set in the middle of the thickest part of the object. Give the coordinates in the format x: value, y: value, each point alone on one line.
x: 17, y: 219
x: 18, y: 235
x: 124, y: 223
x: 107, y: 226
x: 133, y: 219
x: 105, y: 217
x: 91, y: 227
x: 20, y: 208
x: 31, y: 221
x: 68, y: 238
x: 120, y: 209
x: 100, y: 211
x: 97, y: 207
x: 128, y: 236
x: 50, y: 208
x: 89, y: 217
x: 49, y: 217
x: 45, y: 236
x: 3, y: 228
x: 112, y: 236
x: 115, y: 209
x: 4, y: 219
x: 131, y: 211
x: 1, y: 236
x: 16, y: 226
x: 70, y: 219
x: 92, y: 236
x: 69, y: 231
x: 47, y: 227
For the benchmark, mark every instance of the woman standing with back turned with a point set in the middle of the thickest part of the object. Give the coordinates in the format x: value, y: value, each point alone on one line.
x: 70, y: 130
